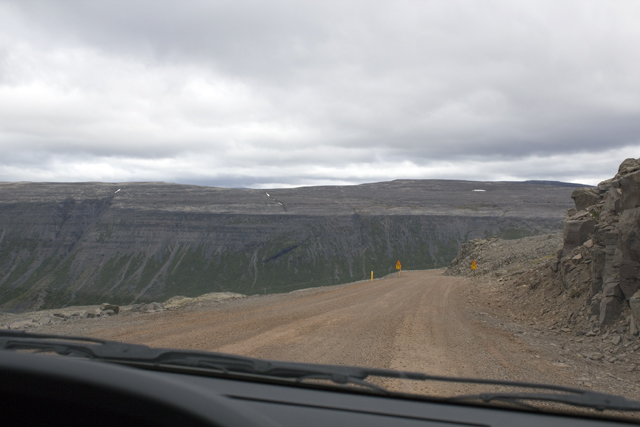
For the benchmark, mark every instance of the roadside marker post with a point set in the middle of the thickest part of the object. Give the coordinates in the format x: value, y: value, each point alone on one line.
x: 398, y: 267
x: 372, y: 276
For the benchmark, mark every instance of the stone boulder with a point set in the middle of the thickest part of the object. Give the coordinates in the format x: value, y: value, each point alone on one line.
x: 604, y: 185
x: 612, y: 200
x: 630, y: 191
x: 612, y: 289
x: 21, y: 324
x: 106, y: 306
x: 584, y: 197
x: 576, y: 232
x: 628, y: 166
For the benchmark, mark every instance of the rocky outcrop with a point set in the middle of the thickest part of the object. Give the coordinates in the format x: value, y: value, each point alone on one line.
x: 147, y: 308
x: 585, y: 197
x: 576, y: 231
x: 581, y: 294
x: 596, y: 266
x: 35, y: 319
x: 601, y: 244
x: 114, y: 308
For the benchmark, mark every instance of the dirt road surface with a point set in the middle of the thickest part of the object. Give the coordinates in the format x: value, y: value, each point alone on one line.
x: 422, y: 321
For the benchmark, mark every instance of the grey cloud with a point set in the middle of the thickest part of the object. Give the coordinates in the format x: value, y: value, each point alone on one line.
x: 239, y: 37
x: 334, y: 85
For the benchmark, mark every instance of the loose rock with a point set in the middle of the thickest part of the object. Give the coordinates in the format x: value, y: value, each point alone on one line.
x: 106, y: 306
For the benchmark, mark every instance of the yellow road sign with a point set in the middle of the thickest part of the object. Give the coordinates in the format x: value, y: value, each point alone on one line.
x: 398, y: 266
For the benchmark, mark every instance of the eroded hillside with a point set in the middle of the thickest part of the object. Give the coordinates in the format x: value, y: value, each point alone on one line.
x: 86, y: 243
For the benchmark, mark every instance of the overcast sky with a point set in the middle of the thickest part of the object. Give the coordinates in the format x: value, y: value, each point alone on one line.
x: 274, y: 94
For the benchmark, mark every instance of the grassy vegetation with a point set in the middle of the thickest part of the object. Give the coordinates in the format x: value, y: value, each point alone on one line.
x: 272, y: 255
x: 514, y: 233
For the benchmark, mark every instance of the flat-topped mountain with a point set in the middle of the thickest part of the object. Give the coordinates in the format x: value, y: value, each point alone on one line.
x: 85, y: 243
x: 535, y: 199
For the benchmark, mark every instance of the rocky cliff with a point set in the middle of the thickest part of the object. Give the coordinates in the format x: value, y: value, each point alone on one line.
x: 86, y: 243
x: 591, y: 281
x: 579, y: 288
x: 601, y: 244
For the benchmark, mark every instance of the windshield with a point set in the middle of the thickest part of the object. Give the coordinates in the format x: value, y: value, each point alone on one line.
x: 431, y: 187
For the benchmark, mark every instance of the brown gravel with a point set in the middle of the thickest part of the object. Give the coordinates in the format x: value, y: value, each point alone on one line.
x: 520, y: 294
x: 422, y: 321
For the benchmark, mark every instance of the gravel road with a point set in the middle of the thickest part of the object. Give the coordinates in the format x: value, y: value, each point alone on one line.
x: 422, y: 321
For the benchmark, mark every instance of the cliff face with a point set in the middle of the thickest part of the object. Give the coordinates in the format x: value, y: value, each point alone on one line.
x: 602, y: 244
x: 86, y: 243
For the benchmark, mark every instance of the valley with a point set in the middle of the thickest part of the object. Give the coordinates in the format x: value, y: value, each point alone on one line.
x: 66, y: 244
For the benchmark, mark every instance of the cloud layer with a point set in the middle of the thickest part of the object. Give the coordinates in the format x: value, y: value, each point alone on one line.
x: 263, y: 94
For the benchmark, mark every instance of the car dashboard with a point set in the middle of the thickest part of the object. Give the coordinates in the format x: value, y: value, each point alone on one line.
x: 38, y: 389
